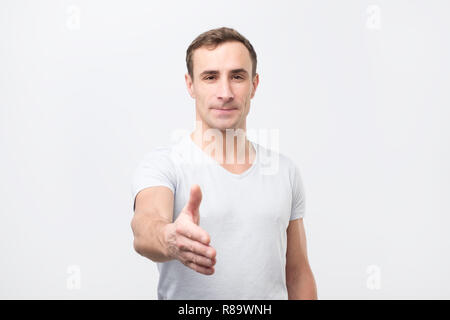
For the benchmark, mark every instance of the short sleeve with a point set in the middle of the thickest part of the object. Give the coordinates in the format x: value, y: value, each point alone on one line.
x: 156, y: 169
x: 298, y: 195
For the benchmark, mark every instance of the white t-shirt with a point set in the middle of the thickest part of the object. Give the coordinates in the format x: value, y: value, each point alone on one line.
x: 246, y: 216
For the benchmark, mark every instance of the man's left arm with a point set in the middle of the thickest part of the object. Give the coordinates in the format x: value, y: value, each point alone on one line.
x: 299, y: 277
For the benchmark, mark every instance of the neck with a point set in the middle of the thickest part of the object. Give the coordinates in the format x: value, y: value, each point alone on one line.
x: 227, y: 146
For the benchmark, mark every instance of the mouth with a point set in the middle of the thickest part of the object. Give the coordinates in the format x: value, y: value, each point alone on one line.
x: 224, y: 110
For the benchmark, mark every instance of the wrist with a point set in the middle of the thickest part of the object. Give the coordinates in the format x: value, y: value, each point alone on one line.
x: 164, y: 238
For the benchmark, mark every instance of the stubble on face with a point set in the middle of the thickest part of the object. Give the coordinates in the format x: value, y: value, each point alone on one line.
x: 222, y: 80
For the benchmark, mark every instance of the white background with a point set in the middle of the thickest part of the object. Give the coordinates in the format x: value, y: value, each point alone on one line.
x: 358, y: 89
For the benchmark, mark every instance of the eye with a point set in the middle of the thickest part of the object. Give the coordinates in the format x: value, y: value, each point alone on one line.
x: 209, y: 77
x: 238, y: 77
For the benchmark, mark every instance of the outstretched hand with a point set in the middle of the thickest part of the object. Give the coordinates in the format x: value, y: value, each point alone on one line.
x: 187, y: 241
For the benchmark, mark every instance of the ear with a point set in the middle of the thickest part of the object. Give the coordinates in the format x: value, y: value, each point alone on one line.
x: 255, y: 84
x: 189, y: 85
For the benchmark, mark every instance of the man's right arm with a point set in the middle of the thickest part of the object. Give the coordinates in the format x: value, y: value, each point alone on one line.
x: 153, y: 213
x: 159, y: 239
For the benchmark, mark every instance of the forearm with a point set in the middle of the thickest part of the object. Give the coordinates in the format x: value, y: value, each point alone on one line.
x: 302, y: 287
x: 149, y: 238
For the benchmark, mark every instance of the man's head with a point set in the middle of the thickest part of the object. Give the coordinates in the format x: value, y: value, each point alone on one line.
x: 221, y: 74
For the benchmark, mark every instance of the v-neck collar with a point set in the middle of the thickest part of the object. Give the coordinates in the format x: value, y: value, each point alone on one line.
x: 194, y: 146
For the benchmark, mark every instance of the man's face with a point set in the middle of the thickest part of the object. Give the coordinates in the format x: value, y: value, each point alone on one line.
x: 222, y: 85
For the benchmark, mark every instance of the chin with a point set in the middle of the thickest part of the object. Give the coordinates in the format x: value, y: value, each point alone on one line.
x: 221, y: 125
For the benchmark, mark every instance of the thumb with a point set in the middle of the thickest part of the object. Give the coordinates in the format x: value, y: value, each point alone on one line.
x: 194, y: 201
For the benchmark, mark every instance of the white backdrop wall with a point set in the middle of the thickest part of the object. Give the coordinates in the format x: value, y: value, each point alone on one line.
x: 359, y: 91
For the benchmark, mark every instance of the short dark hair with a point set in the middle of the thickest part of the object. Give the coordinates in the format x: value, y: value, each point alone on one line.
x: 212, y: 39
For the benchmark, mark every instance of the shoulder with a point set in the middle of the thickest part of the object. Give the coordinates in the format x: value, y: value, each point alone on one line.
x: 157, y: 159
x: 276, y: 162
x: 156, y: 156
x: 157, y: 163
x: 162, y: 154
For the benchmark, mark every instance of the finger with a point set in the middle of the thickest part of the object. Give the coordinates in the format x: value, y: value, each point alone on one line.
x: 197, y: 259
x: 192, y: 231
x: 199, y: 269
x: 196, y: 247
x: 194, y: 200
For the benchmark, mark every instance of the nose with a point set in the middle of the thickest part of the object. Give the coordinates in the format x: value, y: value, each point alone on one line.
x: 224, y: 91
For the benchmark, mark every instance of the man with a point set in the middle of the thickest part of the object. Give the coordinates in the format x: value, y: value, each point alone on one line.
x: 222, y: 227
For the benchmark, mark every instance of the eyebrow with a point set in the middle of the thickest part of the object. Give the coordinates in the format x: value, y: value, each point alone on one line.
x: 214, y: 72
